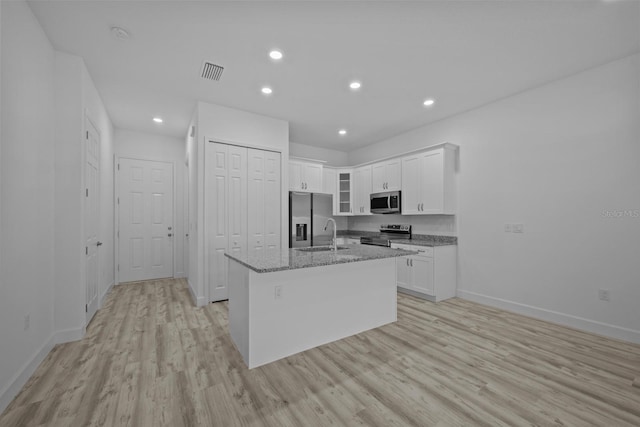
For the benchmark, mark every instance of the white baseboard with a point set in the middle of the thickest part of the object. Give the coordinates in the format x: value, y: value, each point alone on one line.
x: 23, y: 375
x: 68, y: 335
x: 576, y: 322
x: 103, y: 297
x: 180, y: 275
x: 198, y: 301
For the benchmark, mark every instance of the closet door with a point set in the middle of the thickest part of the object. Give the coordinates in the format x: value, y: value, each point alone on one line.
x: 264, y: 199
x: 272, y: 201
x: 216, y: 189
x: 256, y: 199
x: 237, y: 201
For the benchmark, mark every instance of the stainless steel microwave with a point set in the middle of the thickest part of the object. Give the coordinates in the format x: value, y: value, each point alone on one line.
x: 385, y: 203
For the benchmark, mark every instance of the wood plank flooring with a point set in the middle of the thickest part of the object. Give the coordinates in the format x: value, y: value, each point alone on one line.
x: 150, y: 358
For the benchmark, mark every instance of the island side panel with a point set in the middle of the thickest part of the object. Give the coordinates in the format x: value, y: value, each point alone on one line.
x: 238, y: 285
x: 317, y: 305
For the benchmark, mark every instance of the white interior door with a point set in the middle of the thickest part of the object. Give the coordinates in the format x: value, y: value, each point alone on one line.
x: 272, y: 202
x: 91, y: 217
x: 218, y: 233
x: 256, y: 199
x: 145, y: 213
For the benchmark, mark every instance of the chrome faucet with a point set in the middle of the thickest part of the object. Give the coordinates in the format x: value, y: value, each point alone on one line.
x: 335, y: 240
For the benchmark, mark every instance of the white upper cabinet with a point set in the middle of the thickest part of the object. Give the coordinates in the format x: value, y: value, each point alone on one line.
x: 386, y: 176
x: 428, y: 182
x: 305, y: 176
x: 330, y: 185
x: 344, y: 195
x: 362, y: 190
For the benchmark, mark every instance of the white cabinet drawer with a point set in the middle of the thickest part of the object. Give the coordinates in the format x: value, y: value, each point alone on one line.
x: 425, y: 251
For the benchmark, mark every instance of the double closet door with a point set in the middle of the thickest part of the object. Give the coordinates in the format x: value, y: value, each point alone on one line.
x: 242, y: 207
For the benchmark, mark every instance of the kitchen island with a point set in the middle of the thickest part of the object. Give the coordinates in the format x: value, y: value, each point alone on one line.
x: 284, y: 301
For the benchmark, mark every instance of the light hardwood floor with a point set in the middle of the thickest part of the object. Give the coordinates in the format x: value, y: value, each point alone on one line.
x: 150, y: 358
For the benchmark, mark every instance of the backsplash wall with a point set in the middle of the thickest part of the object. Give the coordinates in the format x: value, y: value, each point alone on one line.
x: 441, y: 225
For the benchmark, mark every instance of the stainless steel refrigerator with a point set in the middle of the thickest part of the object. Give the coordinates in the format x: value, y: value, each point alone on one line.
x: 308, y: 213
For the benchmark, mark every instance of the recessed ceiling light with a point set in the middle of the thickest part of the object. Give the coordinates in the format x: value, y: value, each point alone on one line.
x: 355, y: 85
x: 120, y: 33
x: 342, y: 131
x: 428, y: 102
x: 266, y: 90
x: 157, y: 119
x: 275, y: 54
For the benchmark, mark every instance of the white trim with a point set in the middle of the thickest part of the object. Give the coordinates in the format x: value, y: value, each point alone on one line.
x: 28, y: 369
x: 306, y: 159
x: 116, y: 220
x: 20, y: 379
x: 69, y: 335
x: 198, y: 301
x: 242, y: 144
x: 600, y: 328
x: 103, y: 297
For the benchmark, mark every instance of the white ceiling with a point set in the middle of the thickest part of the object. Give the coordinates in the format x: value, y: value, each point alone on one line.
x: 461, y: 53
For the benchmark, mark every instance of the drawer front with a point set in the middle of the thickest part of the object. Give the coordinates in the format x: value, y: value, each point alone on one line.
x: 425, y: 251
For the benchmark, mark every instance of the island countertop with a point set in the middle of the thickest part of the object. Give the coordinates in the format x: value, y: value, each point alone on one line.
x: 270, y: 260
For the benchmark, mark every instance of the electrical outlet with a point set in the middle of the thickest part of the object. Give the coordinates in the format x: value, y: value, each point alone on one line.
x: 27, y: 322
x: 507, y: 228
x: 278, y: 292
x: 518, y: 228
x: 603, y: 295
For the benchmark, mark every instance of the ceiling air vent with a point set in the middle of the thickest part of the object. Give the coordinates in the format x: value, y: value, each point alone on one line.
x: 211, y: 71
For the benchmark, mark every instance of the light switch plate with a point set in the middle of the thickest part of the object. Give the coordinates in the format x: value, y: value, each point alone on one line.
x: 518, y: 228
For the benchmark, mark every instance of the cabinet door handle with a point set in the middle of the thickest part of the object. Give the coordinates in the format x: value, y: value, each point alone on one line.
x: 411, y: 262
x: 407, y: 262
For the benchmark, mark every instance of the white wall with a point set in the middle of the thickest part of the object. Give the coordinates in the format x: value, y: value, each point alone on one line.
x: 146, y: 146
x: 94, y: 108
x: 556, y: 158
x: 193, y: 241
x: 77, y: 98
x: 223, y: 124
x: 69, y: 294
x: 44, y: 98
x: 26, y: 191
x: 332, y: 157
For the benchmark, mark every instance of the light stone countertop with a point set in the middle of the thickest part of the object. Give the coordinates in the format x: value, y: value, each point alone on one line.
x: 270, y: 260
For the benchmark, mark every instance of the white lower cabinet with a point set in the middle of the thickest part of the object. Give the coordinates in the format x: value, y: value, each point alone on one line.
x: 430, y: 274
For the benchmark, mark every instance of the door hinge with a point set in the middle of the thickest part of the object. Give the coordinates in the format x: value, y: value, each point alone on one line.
x: 87, y: 134
x: 86, y: 308
x: 86, y: 192
x: 118, y: 166
x: 118, y: 200
x: 118, y: 267
x: 86, y: 250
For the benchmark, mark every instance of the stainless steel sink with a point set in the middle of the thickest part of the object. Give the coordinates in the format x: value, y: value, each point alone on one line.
x: 319, y: 248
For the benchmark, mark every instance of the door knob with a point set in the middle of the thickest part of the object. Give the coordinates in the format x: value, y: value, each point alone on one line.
x: 169, y: 234
x: 169, y: 228
x: 99, y: 244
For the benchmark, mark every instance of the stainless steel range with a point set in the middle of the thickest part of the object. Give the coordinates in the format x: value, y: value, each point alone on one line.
x: 388, y: 232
